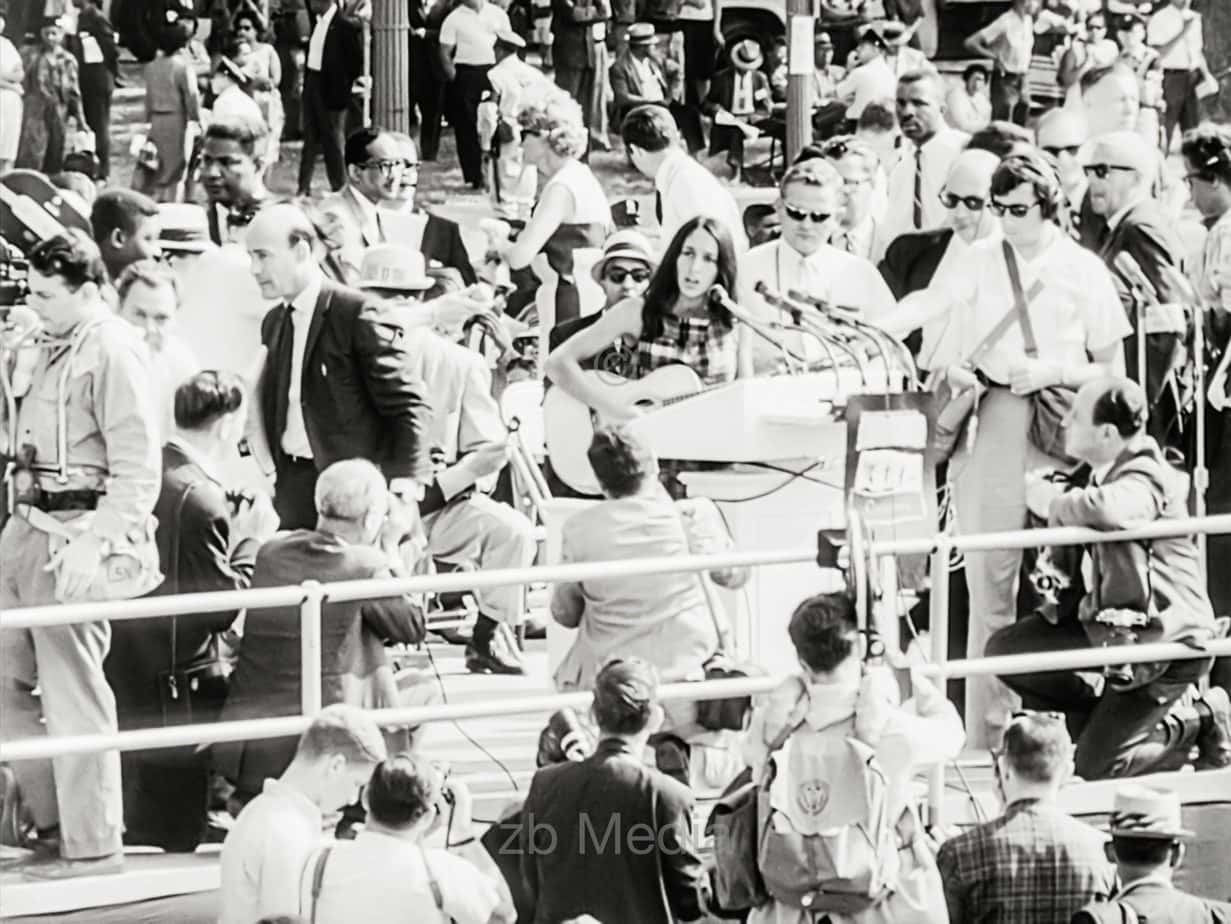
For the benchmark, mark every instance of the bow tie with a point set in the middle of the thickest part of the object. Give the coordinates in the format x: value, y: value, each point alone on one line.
x: 241, y: 217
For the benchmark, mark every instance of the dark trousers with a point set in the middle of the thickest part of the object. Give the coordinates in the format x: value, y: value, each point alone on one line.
x: 430, y: 95
x: 1180, y: 99
x: 324, y: 130
x: 1164, y: 359
x: 294, y: 495
x: 1118, y: 733
x: 1010, y: 94
x: 579, y: 84
x: 465, y: 91
x: 96, y: 88
x: 291, y: 89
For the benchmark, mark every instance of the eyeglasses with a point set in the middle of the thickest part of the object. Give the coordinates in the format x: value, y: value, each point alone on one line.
x: 817, y: 218
x: 385, y: 166
x: 618, y: 275
x: 1069, y: 149
x: 1040, y: 715
x: 1102, y: 171
x: 410, y: 166
x: 1190, y: 178
x: 974, y: 203
x: 1016, y: 210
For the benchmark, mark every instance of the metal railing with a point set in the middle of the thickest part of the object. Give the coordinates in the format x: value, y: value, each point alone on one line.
x: 310, y: 596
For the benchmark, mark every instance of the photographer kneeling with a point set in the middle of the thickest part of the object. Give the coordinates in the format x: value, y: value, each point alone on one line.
x: 1128, y: 721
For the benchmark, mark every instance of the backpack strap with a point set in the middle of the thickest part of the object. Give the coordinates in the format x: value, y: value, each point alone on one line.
x: 433, y: 884
x: 318, y: 880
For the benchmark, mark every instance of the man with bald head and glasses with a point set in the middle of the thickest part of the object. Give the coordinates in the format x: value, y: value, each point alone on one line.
x: 810, y: 203
x: 1075, y: 333
x: 1034, y: 864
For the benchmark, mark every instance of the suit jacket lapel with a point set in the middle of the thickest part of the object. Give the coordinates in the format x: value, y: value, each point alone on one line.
x: 318, y: 322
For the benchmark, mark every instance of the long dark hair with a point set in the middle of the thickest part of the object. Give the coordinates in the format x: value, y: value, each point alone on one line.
x: 664, y: 287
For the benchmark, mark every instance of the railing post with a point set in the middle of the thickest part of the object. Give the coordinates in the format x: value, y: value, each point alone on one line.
x: 310, y: 647
x: 939, y: 622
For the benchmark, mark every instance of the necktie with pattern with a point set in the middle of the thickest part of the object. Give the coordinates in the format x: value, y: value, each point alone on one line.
x: 917, y: 210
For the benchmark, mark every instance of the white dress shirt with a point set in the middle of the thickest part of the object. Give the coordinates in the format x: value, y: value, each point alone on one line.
x: 303, y: 306
x: 316, y: 44
x: 830, y: 274
x: 687, y: 190
x: 473, y: 33
x: 941, y: 343
x: 938, y: 154
x: 967, y: 113
x: 867, y: 83
x: 1076, y: 313
x: 1164, y: 26
x: 651, y: 84
x: 1011, y: 36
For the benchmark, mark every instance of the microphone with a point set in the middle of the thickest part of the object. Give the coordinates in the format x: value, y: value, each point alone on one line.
x: 719, y: 296
x: 844, y: 314
x: 1130, y: 270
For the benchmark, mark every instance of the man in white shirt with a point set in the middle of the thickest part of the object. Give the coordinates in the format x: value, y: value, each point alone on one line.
x: 862, y: 209
x: 512, y: 78
x: 1175, y: 31
x: 810, y: 203
x: 1009, y: 41
x: 467, y: 53
x: 872, y: 79
x: 263, y: 855
x: 683, y: 188
x: 932, y: 146
x: 388, y: 874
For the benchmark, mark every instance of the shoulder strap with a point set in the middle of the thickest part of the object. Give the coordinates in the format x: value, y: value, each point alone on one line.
x: 318, y: 880
x: 1020, y: 305
x: 174, y: 554
x: 437, y: 895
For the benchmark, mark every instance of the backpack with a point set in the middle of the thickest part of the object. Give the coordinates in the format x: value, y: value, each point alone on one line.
x: 837, y: 850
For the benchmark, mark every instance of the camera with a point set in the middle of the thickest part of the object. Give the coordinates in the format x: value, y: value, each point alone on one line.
x: 1120, y: 627
x: 1048, y: 580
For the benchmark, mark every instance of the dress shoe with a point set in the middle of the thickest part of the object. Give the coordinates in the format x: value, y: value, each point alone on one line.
x: 493, y: 650
x: 1214, y: 740
x: 75, y: 869
x: 534, y: 628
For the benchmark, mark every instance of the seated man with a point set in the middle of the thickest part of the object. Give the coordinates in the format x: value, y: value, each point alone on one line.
x: 389, y: 874
x: 1128, y: 721
x: 469, y: 443
x: 264, y: 854
x: 357, y: 537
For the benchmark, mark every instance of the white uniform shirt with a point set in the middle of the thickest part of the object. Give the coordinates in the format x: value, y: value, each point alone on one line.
x: 830, y: 274
x: 378, y: 877
x: 687, y: 190
x: 1076, y: 314
x: 316, y: 44
x: 867, y: 83
x: 264, y: 854
x: 473, y: 33
x: 510, y: 79
x: 295, y: 437
x: 1164, y: 26
x: 938, y: 154
x: 1012, y: 38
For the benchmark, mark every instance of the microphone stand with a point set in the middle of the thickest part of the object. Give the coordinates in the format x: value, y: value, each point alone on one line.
x: 879, y: 338
x: 823, y: 332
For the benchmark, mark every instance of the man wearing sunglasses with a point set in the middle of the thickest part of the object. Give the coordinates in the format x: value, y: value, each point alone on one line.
x: 1034, y: 864
x: 1120, y: 175
x: 1061, y: 133
x: 810, y: 202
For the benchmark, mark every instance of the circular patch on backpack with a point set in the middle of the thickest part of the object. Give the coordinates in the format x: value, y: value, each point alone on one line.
x: 813, y: 796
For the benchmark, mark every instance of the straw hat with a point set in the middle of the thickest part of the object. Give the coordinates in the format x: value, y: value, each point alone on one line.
x: 746, y: 56
x: 641, y: 33
x: 626, y: 244
x: 183, y: 228
x: 393, y: 266
x: 1139, y: 811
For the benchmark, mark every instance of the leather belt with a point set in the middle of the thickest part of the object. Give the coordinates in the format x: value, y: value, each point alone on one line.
x: 301, y: 460
x: 60, y: 501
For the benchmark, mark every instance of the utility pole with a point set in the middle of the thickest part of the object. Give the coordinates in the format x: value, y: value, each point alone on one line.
x: 800, y: 38
x: 390, y: 65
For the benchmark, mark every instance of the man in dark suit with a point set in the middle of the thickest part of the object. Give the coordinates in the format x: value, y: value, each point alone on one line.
x: 205, y: 543
x: 1147, y: 846
x: 1120, y: 173
x: 637, y: 78
x: 336, y: 383
x: 742, y: 91
x: 379, y: 199
x: 357, y: 537
x: 1134, y: 724
x: 584, y: 825
x: 332, y: 72
x: 574, y: 24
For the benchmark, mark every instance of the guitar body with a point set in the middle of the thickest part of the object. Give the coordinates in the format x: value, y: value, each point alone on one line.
x: 569, y: 424
x: 32, y: 210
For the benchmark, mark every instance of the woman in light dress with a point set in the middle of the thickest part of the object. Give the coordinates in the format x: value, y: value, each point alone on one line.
x: 259, y: 59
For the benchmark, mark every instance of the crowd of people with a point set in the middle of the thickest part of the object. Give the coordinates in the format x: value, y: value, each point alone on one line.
x: 209, y: 386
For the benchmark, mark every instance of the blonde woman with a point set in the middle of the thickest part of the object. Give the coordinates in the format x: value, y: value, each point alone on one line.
x: 571, y: 219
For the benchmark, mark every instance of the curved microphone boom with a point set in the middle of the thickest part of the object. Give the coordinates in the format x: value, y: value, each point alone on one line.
x: 845, y: 316
x: 718, y: 295
x: 1134, y: 276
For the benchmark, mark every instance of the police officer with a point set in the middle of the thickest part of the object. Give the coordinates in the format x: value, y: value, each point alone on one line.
x: 83, y: 471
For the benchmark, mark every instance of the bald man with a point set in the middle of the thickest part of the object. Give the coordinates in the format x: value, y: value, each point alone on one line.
x: 1061, y: 133
x: 1121, y: 169
x: 337, y: 382
x: 913, y: 260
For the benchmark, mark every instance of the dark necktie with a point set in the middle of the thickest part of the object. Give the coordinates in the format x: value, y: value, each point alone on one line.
x: 917, y: 210
x: 658, y: 206
x: 283, y: 354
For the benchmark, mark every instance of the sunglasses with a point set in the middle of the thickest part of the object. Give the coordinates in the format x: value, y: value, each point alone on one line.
x: 618, y: 275
x: 1069, y: 149
x: 817, y: 218
x: 974, y: 203
x: 1102, y: 171
x: 1017, y: 211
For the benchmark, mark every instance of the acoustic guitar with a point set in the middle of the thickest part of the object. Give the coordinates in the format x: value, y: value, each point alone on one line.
x: 569, y: 423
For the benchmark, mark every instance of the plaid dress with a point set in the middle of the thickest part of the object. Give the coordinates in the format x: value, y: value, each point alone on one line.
x: 708, y: 349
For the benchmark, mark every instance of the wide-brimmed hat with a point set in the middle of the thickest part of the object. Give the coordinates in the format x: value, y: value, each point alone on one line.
x: 746, y: 55
x: 510, y: 38
x: 884, y: 33
x: 1154, y: 814
x: 626, y: 244
x: 183, y: 228
x: 823, y: 39
x: 641, y: 33
x: 394, y: 266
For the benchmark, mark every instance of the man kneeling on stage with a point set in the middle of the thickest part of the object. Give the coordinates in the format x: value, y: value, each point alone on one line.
x: 1131, y: 719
